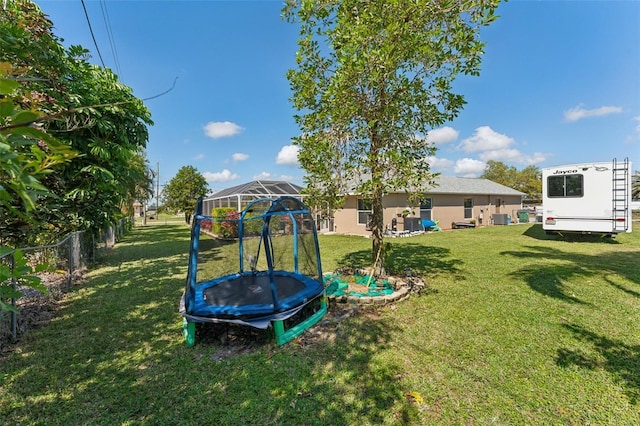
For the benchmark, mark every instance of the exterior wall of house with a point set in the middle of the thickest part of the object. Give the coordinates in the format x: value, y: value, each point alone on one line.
x: 137, y: 209
x: 446, y: 209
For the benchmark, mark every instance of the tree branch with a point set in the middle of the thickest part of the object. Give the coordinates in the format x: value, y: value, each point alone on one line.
x: 72, y: 110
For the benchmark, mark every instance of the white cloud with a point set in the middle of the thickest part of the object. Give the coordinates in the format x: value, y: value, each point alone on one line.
x: 578, y: 113
x: 221, y: 129
x: 442, y: 135
x: 288, y: 155
x: 262, y: 176
x: 513, y: 156
x: 536, y: 158
x: 506, y: 155
x: 198, y: 157
x: 239, y: 156
x: 485, y: 139
x: 224, y: 176
x: 469, y: 167
x: 439, y: 164
x: 637, y: 126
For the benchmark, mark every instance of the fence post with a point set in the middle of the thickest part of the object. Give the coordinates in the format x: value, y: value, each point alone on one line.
x: 14, y: 317
x: 70, y: 260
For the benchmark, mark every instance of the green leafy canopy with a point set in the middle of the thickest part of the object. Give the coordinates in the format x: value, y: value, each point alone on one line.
x: 184, y: 189
x: 372, y: 78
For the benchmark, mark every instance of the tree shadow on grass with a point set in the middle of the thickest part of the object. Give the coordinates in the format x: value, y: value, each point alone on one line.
x: 614, y: 356
x: 536, y: 231
x: 115, y: 351
x: 550, y: 280
x: 402, y: 258
x: 548, y: 269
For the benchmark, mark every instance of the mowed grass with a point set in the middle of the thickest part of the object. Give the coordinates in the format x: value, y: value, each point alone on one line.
x: 514, y: 328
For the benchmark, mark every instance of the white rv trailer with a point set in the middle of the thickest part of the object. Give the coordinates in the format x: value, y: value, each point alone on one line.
x: 587, y: 198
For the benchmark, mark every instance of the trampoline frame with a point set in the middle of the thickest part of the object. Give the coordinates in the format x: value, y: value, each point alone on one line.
x: 259, y: 316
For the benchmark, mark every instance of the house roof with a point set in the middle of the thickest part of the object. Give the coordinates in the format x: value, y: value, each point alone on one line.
x: 265, y: 188
x: 462, y: 185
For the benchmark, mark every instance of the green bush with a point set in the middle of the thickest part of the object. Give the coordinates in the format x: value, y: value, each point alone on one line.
x: 220, y: 215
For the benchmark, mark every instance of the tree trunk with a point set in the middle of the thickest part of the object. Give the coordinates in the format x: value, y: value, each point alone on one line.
x: 377, y: 225
x: 377, y: 232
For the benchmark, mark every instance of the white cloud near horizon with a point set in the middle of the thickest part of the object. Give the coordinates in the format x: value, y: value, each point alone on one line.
x: 269, y: 176
x: 289, y: 178
x: 442, y: 135
x: 439, y: 164
x: 491, y: 145
x: 288, y: 155
x: 239, y: 156
x: 578, y: 112
x: 486, y: 139
x: 224, y: 176
x: 468, y: 167
x: 262, y: 176
x: 221, y: 129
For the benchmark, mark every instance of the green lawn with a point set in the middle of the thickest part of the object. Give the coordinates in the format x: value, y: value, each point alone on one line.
x: 515, y: 328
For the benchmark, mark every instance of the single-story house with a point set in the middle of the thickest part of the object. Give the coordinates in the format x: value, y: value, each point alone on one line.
x: 453, y: 200
x: 240, y: 195
x: 137, y: 208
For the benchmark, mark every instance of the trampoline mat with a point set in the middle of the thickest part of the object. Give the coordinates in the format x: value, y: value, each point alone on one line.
x: 251, y: 289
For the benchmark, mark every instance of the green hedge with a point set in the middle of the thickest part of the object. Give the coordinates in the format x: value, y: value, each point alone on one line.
x: 225, y: 222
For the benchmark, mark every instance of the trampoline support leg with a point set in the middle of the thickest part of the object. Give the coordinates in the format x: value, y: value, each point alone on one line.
x: 284, y: 336
x: 189, y: 332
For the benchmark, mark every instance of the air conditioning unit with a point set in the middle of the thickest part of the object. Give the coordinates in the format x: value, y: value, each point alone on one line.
x: 500, y: 219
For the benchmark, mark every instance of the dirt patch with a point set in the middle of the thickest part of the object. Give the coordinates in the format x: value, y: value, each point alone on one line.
x: 234, y: 340
x: 36, y: 309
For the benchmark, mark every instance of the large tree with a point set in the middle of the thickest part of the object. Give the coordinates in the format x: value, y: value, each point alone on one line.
x: 27, y: 156
x: 183, y: 191
x: 527, y: 180
x: 372, y: 78
x: 86, y: 108
x: 530, y: 182
x: 635, y: 185
x: 499, y: 172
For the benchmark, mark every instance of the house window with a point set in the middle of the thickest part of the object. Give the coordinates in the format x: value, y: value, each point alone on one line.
x: 468, y: 208
x: 364, y: 211
x: 425, y: 208
x: 565, y: 186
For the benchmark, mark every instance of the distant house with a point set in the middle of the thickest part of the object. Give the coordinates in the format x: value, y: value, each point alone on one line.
x: 240, y: 195
x: 137, y: 208
x: 453, y: 200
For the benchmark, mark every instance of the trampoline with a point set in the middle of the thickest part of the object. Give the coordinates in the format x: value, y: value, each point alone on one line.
x: 260, y: 268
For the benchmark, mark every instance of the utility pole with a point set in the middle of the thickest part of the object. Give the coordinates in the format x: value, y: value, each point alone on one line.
x: 157, y: 187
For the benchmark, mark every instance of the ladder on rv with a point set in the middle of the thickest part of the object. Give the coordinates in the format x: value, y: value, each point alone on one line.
x: 620, y: 208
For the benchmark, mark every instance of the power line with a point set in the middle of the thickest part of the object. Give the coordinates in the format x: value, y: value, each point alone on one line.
x: 107, y: 23
x: 91, y: 31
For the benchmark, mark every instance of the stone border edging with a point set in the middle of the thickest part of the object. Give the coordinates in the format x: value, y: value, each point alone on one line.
x: 402, y: 292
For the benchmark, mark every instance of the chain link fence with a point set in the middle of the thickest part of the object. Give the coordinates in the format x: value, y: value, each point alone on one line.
x: 66, y: 262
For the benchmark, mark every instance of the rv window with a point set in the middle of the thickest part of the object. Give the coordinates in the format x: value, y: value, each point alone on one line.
x: 574, y: 186
x: 565, y: 186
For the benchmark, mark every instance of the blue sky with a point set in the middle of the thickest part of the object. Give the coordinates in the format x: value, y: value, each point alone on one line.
x: 560, y: 84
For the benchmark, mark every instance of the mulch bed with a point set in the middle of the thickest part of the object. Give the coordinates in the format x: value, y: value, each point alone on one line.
x: 35, y: 309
